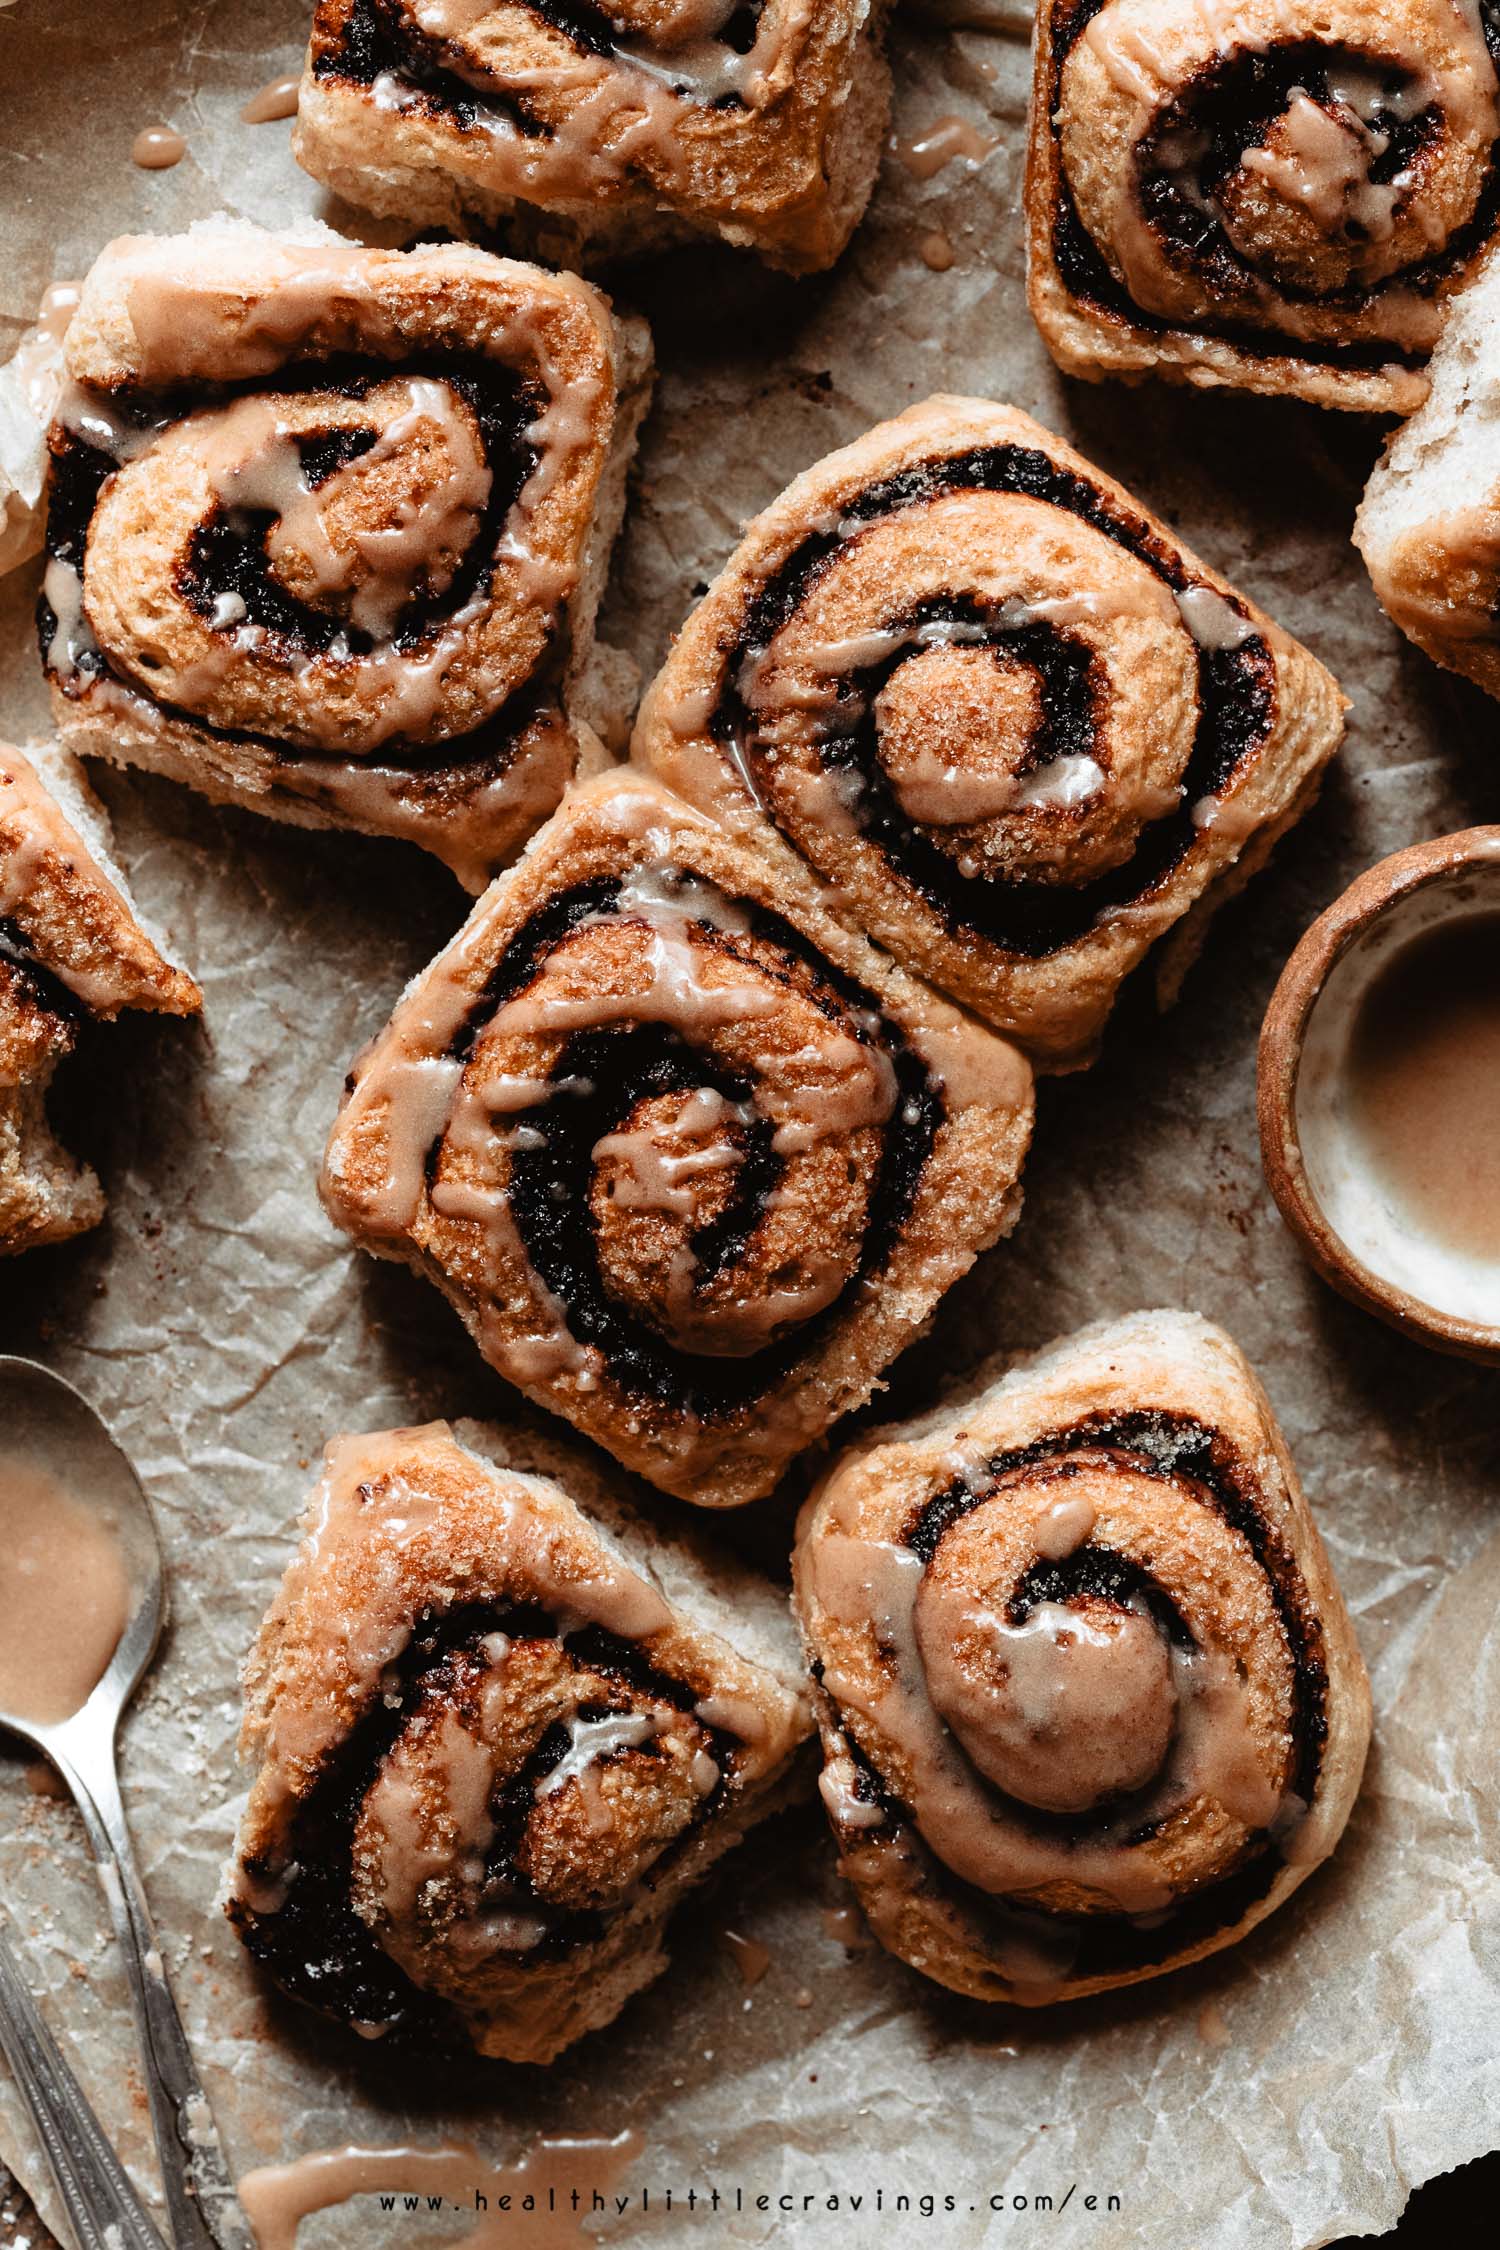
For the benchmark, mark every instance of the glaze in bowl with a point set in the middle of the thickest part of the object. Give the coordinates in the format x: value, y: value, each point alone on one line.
x: 1355, y: 1232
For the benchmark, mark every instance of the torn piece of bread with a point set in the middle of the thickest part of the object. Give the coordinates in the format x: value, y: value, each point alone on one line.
x: 31, y: 383
x: 1429, y: 524
x: 71, y: 946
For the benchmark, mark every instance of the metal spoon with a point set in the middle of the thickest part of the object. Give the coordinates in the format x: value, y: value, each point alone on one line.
x: 46, y: 1421
x: 95, y: 2188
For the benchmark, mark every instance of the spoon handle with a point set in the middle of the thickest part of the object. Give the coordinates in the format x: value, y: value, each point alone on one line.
x: 202, y: 2207
x: 99, y: 2199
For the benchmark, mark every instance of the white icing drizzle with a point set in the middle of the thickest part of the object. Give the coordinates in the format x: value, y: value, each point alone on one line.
x: 732, y: 1714
x: 941, y: 795
x: 1324, y: 166
x: 264, y: 304
x: 608, y: 117
x: 837, y: 1786
x: 430, y: 1807
x: 664, y: 968
x: 1070, y: 1709
x: 371, y: 1524
x: 71, y: 641
x: 255, y: 464
x: 658, y: 1179
x: 1316, y: 160
x: 1214, y: 622
x: 589, y: 1740
x: 1062, y: 1529
x: 107, y: 962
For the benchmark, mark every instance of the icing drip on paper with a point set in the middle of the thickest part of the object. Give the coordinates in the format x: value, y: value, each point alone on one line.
x: 278, y: 2197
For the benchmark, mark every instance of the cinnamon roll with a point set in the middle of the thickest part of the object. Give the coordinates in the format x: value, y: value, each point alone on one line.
x: 604, y: 132
x: 328, y: 528
x: 691, y: 1163
x: 1429, y: 524
x: 496, y: 1740
x: 1091, y: 1704
x: 71, y: 948
x: 1260, y: 193
x: 1017, y: 729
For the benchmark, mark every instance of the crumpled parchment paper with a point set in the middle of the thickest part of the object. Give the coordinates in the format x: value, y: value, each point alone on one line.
x: 1285, y: 2093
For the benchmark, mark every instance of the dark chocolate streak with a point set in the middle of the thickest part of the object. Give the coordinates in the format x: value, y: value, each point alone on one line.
x: 316, y: 1946
x: 227, y: 553
x: 1098, y: 1574
x: 1233, y: 108
x: 1236, y: 693
x: 1235, y: 102
x: 1072, y: 687
x: 1173, y: 1449
x: 625, y: 1066
x: 369, y: 39
x: 45, y: 990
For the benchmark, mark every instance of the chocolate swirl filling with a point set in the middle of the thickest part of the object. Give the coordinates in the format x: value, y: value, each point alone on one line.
x: 308, y: 1933
x: 601, y: 1077
x: 1072, y: 1469
x: 369, y: 41
x: 1030, y: 918
x: 226, y: 566
x: 1229, y: 105
x: 31, y: 981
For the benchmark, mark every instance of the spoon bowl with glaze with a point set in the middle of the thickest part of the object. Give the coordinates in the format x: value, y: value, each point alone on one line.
x: 86, y: 1590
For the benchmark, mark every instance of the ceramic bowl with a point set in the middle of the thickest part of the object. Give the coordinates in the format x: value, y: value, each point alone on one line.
x: 1315, y: 1167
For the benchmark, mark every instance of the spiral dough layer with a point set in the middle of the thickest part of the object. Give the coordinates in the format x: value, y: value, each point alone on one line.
x: 1249, y: 191
x: 324, y: 528
x: 608, y: 131
x: 1091, y: 1705
x: 1014, y: 727
x: 491, y: 1754
x: 691, y: 1163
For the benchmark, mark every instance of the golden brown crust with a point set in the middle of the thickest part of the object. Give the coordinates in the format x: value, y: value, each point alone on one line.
x: 1440, y: 582
x: 773, y: 149
x: 1308, y: 268
x: 1090, y: 1700
x: 44, y: 1195
x: 33, y: 1037
x: 492, y: 1755
x: 366, y: 602
x: 763, y: 1133
x: 78, y: 950
x: 1428, y: 524
x: 72, y: 919
x: 1023, y: 860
